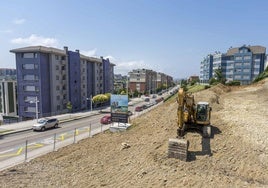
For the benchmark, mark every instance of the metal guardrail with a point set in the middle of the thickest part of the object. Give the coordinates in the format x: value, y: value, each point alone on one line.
x: 34, y: 147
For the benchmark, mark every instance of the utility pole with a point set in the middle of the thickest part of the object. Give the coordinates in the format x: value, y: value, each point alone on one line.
x: 91, y: 103
x: 36, y: 107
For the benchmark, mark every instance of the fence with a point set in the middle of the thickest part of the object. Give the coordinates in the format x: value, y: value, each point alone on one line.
x: 35, y: 147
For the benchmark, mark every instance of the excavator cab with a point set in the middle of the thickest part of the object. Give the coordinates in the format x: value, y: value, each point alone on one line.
x: 203, y: 113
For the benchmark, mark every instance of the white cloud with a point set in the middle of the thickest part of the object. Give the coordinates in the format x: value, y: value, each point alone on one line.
x: 19, y: 21
x: 123, y: 67
x: 90, y: 53
x: 36, y: 40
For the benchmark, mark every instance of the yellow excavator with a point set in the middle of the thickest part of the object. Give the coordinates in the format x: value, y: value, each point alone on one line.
x: 190, y: 116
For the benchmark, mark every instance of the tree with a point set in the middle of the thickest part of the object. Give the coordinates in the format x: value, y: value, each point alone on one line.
x: 219, y: 76
x: 69, y: 106
x: 100, y: 98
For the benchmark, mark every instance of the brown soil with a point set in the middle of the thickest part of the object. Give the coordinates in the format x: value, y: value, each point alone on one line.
x: 235, y: 156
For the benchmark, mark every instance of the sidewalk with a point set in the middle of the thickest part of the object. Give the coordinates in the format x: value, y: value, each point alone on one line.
x: 27, y: 125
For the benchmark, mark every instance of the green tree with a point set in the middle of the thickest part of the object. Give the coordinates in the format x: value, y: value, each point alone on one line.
x: 101, y: 98
x: 219, y: 76
x: 69, y: 106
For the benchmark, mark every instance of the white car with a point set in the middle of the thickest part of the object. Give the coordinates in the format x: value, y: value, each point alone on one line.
x: 45, y: 123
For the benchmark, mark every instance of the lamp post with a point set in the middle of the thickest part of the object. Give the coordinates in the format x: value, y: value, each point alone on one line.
x: 90, y: 102
x: 36, y: 107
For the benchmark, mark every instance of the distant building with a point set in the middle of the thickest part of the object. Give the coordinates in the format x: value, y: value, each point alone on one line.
x: 206, y: 69
x: 120, y: 82
x: 8, y: 74
x: 242, y: 64
x: 193, y: 78
x: 147, y: 81
x: 58, y: 76
x: 8, y: 102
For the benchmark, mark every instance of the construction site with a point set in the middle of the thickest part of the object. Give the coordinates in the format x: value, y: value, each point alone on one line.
x: 236, y: 154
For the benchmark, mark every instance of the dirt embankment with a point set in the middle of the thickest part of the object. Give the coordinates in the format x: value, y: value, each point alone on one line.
x: 236, y: 155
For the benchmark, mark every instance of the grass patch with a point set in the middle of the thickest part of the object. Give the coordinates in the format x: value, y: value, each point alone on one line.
x: 195, y: 88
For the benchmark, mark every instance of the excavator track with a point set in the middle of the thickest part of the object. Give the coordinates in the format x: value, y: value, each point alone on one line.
x: 178, y: 148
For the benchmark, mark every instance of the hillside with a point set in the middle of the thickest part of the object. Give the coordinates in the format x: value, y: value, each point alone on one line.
x: 236, y: 156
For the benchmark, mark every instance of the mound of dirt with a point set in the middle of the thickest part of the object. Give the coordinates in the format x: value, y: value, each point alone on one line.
x: 235, y: 156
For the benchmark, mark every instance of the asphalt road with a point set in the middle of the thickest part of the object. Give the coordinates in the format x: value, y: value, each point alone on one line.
x: 92, y: 122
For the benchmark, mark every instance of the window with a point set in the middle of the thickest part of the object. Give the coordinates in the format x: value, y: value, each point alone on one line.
x: 30, y: 88
x: 57, y: 77
x: 56, y: 57
x: 238, y: 64
x: 238, y: 58
x: 247, y: 57
x: 57, y: 67
x: 29, y: 55
x: 58, y: 107
x: 29, y: 109
x: 29, y: 77
x: 247, y: 64
x: 29, y: 98
x: 58, y: 97
x: 237, y: 77
x: 30, y: 66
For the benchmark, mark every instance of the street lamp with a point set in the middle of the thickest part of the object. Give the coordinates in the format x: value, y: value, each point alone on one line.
x: 90, y: 102
x: 36, y: 107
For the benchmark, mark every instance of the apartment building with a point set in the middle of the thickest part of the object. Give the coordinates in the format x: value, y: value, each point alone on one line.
x: 53, y: 77
x: 8, y: 73
x: 206, y: 69
x: 8, y: 102
x: 147, y: 81
x: 242, y: 64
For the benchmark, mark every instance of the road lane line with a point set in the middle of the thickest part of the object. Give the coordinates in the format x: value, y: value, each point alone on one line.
x: 19, y: 151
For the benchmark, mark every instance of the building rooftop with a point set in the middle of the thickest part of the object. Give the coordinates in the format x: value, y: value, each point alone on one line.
x: 253, y: 49
x: 39, y: 49
x: 45, y: 49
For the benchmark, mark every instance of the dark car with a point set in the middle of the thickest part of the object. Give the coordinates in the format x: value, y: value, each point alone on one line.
x: 130, y: 113
x: 144, y: 106
x: 138, y: 108
x: 106, y: 119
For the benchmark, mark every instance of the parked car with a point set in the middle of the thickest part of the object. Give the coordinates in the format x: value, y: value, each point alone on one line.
x: 130, y: 113
x: 45, y: 123
x: 106, y: 119
x: 144, y: 106
x: 147, y: 99
x: 138, y: 109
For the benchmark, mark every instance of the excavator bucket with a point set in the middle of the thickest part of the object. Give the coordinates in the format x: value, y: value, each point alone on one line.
x: 178, y: 148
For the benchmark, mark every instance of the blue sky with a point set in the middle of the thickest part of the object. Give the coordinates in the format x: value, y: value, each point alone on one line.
x: 169, y: 36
